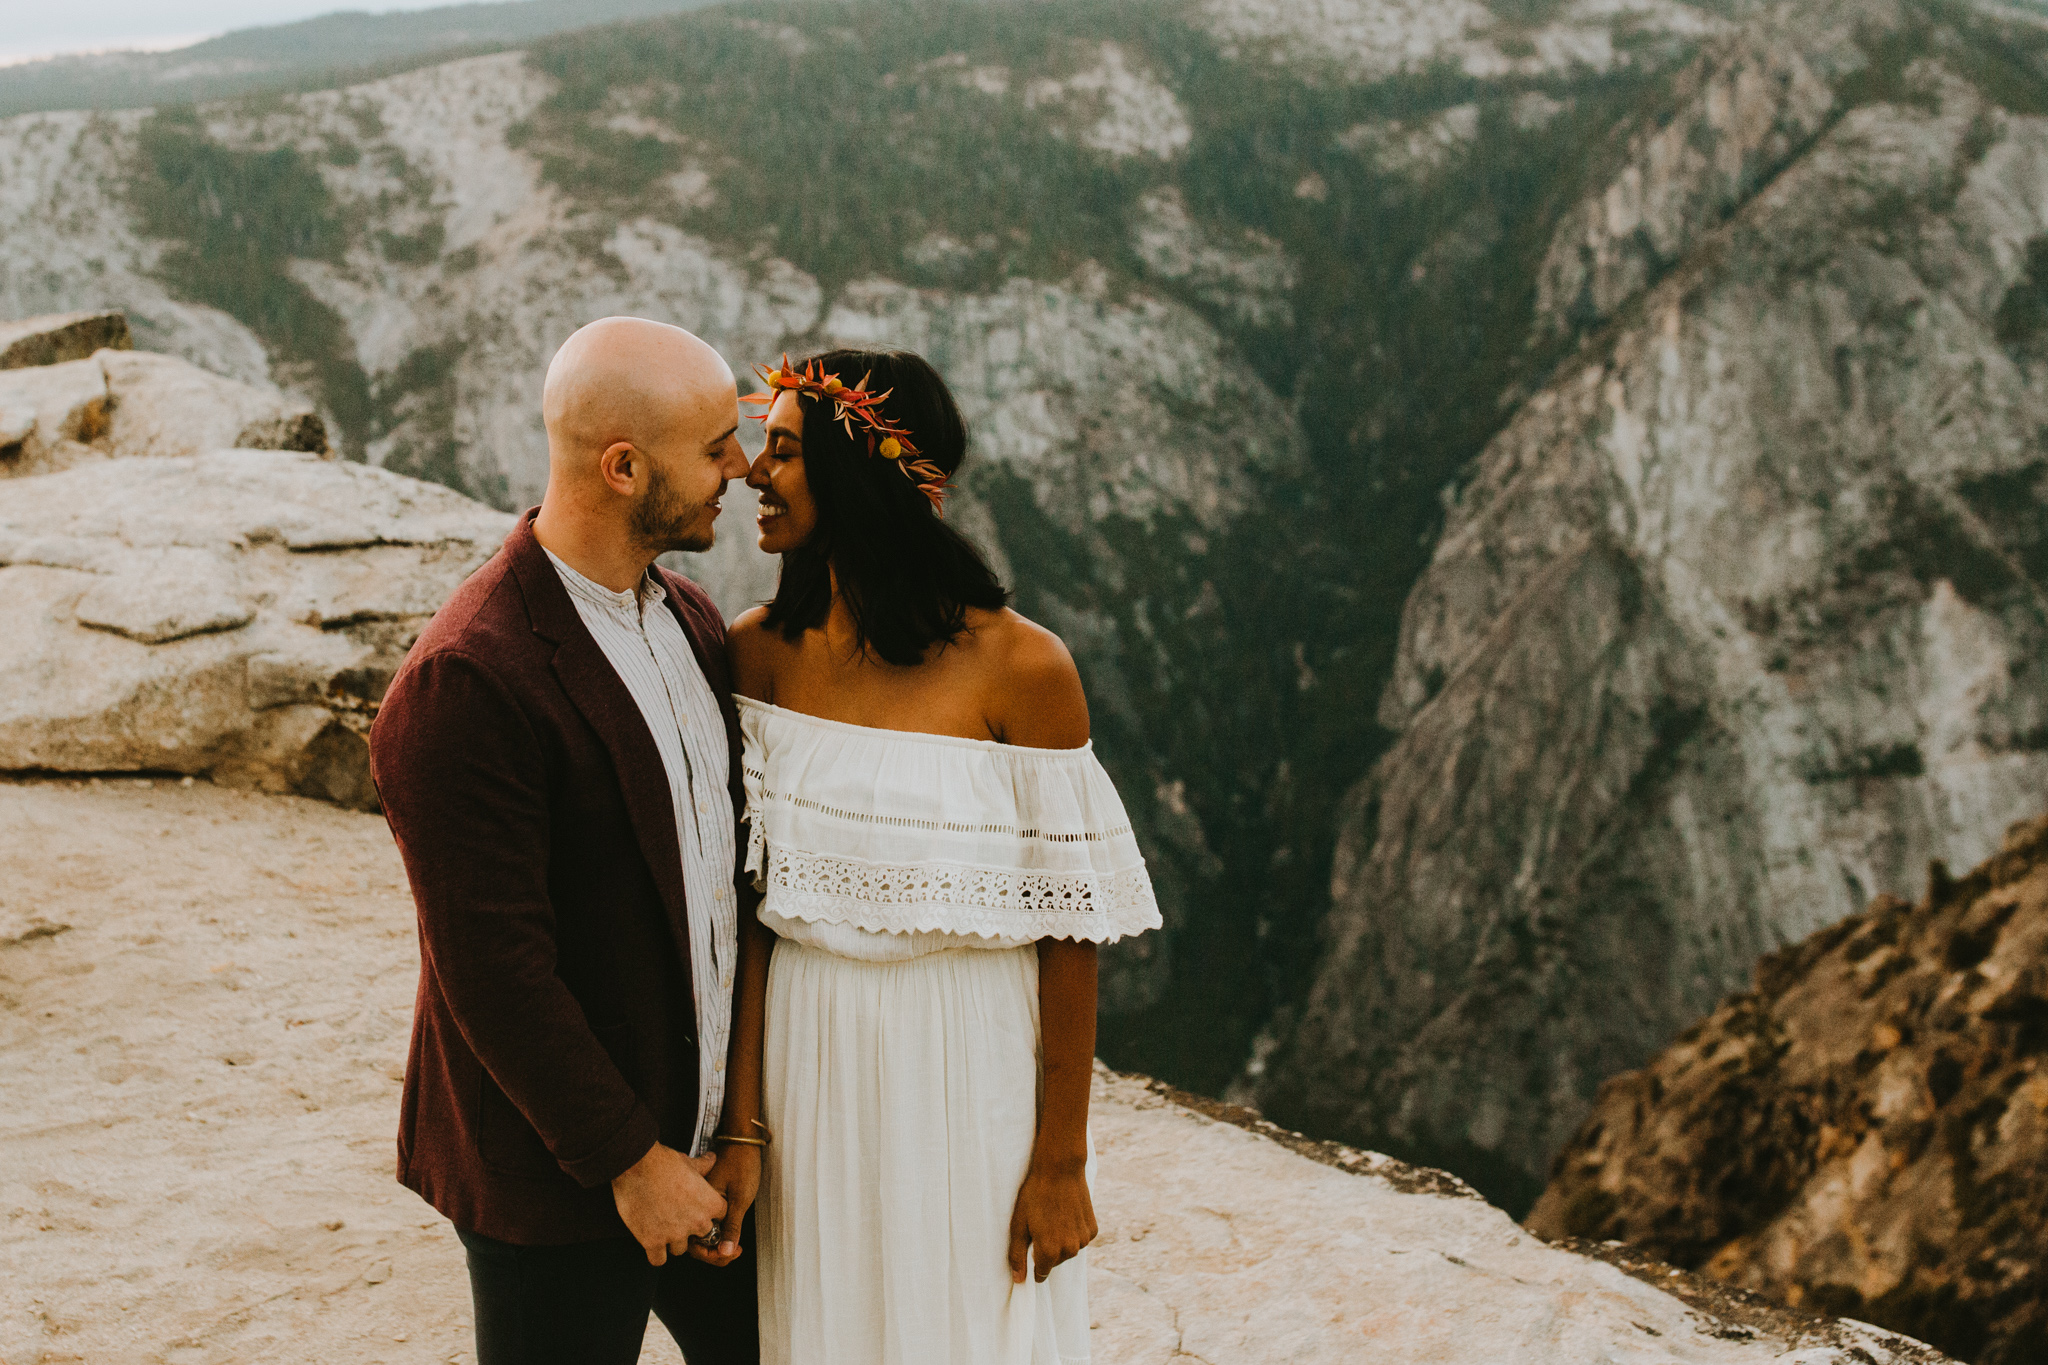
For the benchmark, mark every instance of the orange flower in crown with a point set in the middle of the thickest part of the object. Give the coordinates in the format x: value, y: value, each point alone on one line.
x: 850, y: 407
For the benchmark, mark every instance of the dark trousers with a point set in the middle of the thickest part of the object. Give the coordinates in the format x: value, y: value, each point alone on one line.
x: 587, y: 1303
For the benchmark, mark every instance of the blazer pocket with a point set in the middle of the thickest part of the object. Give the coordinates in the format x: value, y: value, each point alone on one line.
x: 505, y: 1142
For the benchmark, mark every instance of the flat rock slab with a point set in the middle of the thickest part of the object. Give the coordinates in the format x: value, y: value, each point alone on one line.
x: 57, y: 337
x: 205, y: 997
x: 235, y: 614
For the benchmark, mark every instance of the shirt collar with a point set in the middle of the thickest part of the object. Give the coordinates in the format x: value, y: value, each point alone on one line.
x: 627, y: 604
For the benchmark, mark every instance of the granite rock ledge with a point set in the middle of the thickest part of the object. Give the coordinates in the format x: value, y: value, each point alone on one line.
x: 239, y: 969
x: 235, y: 614
x: 1226, y: 1239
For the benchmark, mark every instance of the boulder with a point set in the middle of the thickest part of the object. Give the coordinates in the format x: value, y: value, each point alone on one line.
x: 161, y: 405
x: 135, y: 403
x: 58, y: 337
x: 236, y: 614
x: 50, y: 415
x: 1866, y: 1131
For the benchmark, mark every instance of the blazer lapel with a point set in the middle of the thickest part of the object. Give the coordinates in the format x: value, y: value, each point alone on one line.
x: 594, y: 687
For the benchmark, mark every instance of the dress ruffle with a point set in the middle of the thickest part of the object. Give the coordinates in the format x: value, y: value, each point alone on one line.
x: 897, y: 832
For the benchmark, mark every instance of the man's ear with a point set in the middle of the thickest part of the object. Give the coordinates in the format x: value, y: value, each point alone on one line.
x: 619, y: 466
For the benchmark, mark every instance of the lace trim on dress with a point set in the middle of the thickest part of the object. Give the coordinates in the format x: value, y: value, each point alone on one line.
x: 757, y: 845
x: 929, y: 897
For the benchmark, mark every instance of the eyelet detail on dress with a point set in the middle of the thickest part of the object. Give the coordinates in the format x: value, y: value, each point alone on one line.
x: 889, y: 832
x: 930, y: 898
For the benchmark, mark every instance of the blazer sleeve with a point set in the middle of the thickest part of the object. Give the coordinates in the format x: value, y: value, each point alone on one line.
x: 464, y: 788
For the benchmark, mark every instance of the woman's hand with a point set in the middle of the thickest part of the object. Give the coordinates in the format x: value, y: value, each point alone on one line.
x: 736, y: 1175
x: 1054, y: 1218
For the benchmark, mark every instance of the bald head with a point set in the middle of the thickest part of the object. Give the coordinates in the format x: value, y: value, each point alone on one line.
x: 642, y: 423
x: 634, y: 381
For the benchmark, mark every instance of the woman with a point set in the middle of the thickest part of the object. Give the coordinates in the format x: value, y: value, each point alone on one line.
x: 939, y: 854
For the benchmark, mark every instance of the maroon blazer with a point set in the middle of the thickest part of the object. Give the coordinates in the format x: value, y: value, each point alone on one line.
x: 555, y: 1033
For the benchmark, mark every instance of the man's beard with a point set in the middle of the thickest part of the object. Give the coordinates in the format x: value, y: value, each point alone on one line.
x: 663, y: 520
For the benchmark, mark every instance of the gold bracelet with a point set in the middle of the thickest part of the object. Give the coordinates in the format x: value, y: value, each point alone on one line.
x: 744, y: 1141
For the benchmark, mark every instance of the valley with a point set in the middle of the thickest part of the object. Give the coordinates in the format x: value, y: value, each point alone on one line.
x: 1546, y: 497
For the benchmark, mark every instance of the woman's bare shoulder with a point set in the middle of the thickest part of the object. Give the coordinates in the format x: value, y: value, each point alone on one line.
x: 1021, y: 641
x: 1035, y: 696
x: 752, y: 649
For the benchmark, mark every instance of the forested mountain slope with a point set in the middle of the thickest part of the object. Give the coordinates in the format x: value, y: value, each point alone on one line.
x: 303, y: 55
x: 1742, y: 618
x: 1213, y: 301
x: 1235, y: 292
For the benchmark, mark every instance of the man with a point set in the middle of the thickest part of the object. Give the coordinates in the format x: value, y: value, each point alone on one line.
x: 558, y: 760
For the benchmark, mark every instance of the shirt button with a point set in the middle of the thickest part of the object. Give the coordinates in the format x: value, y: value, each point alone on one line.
x: 718, y: 1065
x: 719, y: 894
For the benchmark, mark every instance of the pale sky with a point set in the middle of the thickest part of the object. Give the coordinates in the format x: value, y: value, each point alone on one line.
x: 36, y: 28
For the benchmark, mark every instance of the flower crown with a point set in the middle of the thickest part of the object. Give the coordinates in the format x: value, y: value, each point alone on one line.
x: 850, y: 405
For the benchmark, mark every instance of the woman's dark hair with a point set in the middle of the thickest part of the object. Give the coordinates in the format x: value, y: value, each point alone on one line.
x: 907, y: 577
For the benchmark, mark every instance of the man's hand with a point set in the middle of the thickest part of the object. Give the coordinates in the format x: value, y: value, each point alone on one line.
x: 1053, y: 1218
x: 666, y: 1202
x: 737, y: 1176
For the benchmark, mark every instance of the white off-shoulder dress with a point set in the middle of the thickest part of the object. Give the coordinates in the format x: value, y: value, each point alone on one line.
x: 908, y: 878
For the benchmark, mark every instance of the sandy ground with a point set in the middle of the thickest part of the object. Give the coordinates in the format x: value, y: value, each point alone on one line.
x: 204, y: 1002
x: 207, y: 995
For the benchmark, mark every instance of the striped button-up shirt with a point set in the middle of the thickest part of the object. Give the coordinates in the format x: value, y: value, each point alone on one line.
x: 646, y: 646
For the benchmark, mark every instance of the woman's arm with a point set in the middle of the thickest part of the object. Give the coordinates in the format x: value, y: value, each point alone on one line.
x: 737, y: 1175
x: 1054, y: 1216
x: 1039, y: 703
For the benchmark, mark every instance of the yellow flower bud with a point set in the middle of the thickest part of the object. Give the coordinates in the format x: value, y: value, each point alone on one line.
x: 832, y: 384
x: 892, y: 449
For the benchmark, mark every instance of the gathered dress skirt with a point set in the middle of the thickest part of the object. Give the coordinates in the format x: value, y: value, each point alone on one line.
x: 903, y: 1096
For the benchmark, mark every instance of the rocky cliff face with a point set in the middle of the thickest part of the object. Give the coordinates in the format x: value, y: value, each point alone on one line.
x: 1187, y: 270
x: 1740, y: 620
x: 1235, y: 293
x: 472, y: 267
x: 1866, y: 1130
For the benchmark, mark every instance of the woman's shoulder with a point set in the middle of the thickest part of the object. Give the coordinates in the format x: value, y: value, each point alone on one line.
x: 1034, y: 695
x: 1016, y: 641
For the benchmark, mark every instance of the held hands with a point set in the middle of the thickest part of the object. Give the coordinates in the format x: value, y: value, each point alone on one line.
x: 1053, y: 1219
x: 737, y: 1176
x: 665, y: 1201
